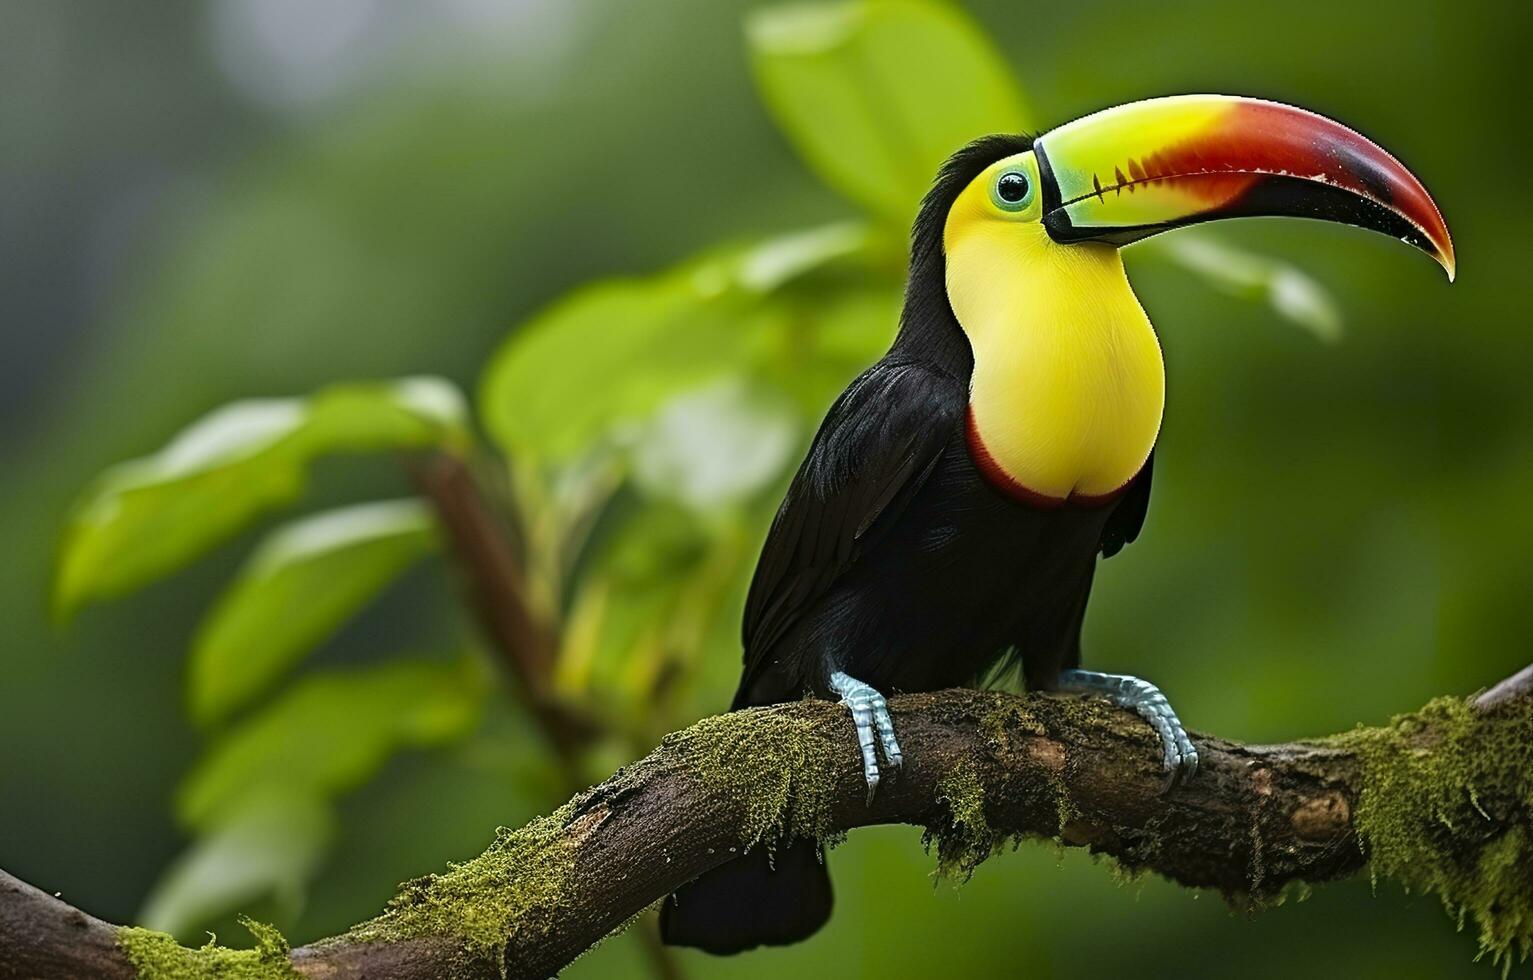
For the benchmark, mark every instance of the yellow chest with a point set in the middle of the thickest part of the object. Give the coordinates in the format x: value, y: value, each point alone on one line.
x: 1068, y: 385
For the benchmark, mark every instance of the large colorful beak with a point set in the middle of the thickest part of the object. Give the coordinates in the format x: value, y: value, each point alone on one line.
x: 1126, y: 173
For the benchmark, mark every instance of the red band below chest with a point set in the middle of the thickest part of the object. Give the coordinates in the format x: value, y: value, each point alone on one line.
x: 1006, y: 484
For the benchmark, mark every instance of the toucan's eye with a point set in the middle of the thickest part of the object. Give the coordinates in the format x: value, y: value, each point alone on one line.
x: 1012, y: 191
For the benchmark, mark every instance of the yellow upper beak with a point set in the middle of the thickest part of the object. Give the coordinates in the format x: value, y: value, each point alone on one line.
x: 1125, y: 173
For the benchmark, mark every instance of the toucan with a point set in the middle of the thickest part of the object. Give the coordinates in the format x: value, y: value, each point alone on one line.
x: 948, y: 518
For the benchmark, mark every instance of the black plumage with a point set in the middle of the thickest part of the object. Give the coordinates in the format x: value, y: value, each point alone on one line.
x: 893, y: 559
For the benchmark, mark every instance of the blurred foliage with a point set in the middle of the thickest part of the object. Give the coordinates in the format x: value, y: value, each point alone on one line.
x: 331, y: 731
x: 147, y: 517
x: 1338, y: 516
x: 265, y: 851
x: 303, y: 581
x: 260, y: 797
x: 841, y: 81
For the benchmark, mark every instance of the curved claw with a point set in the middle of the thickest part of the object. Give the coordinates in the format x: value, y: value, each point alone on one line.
x: 870, y: 713
x: 1179, y: 757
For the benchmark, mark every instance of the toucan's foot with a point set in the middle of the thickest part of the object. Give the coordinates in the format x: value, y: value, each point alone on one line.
x: 869, y: 712
x: 1179, y: 757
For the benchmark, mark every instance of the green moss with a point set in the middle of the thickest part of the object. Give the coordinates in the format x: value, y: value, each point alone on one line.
x: 779, y: 767
x: 511, y: 891
x: 1123, y: 875
x: 1005, y: 725
x: 157, y: 956
x: 966, y: 839
x: 1447, y: 805
x: 1003, y: 722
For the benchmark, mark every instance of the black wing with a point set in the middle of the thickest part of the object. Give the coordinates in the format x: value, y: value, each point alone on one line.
x: 1128, y: 516
x: 878, y: 444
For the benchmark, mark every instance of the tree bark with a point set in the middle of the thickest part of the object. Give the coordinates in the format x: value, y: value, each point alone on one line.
x: 980, y: 767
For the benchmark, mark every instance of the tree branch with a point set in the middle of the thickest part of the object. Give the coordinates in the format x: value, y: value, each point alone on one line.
x: 1519, y: 685
x: 980, y: 768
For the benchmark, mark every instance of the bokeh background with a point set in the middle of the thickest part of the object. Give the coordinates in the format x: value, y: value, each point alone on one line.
x: 202, y: 202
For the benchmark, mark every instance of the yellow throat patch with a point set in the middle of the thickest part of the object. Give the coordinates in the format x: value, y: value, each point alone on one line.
x: 1068, y: 385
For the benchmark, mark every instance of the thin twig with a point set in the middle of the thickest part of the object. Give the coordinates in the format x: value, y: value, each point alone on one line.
x: 497, y: 593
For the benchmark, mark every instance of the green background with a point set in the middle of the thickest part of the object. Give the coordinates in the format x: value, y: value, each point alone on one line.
x: 192, y: 212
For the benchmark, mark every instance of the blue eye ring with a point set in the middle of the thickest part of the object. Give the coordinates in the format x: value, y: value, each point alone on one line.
x: 1011, y: 190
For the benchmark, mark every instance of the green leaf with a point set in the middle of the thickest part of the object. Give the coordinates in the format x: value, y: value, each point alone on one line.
x: 875, y: 96
x: 715, y: 446
x: 644, y: 608
x: 269, y: 848
x: 625, y: 597
x: 773, y: 263
x: 1292, y: 293
x: 598, y: 363
x: 402, y: 414
x: 145, y: 518
x: 331, y: 732
x: 838, y: 333
x: 304, y: 581
x: 607, y: 353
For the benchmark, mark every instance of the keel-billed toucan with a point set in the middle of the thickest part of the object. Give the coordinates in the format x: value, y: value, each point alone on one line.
x: 953, y: 504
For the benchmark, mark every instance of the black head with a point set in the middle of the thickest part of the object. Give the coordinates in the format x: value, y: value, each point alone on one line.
x: 954, y: 175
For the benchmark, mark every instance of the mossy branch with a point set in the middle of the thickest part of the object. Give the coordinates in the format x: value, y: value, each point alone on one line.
x: 1441, y: 799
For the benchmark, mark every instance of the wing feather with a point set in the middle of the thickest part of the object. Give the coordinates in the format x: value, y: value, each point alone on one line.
x: 1128, y: 515
x: 878, y: 444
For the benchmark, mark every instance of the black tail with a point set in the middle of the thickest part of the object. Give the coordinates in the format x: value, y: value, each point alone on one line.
x: 751, y: 901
